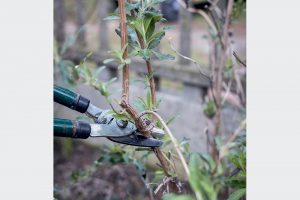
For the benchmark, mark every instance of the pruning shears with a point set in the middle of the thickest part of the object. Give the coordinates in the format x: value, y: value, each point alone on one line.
x: 116, y: 130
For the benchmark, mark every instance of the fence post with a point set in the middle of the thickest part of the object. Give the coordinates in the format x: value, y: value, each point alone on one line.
x: 185, y: 24
x: 80, y: 21
x: 59, y: 22
x: 103, y: 7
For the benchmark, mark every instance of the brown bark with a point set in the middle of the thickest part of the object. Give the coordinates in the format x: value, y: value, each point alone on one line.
x: 125, y: 94
x: 125, y: 82
x: 221, y: 57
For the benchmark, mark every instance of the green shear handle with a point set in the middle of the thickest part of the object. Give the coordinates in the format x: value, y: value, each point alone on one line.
x: 70, y: 99
x: 71, y: 129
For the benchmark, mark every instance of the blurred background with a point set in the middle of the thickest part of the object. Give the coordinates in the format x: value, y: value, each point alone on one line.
x: 79, y: 27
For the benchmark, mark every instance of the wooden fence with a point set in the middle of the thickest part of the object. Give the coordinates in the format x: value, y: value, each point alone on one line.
x: 181, y: 71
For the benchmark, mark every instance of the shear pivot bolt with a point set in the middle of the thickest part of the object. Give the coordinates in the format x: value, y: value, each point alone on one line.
x: 122, y: 123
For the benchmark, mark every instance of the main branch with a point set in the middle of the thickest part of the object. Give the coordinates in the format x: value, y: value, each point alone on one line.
x: 125, y: 94
x: 125, y: 83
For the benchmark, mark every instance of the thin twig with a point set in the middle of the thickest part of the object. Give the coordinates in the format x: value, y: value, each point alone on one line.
x: 239, y: 60
x: 173, y: 139
x: 227, y: 88
x: 239, y: 87
x: 190, y: 59
x: 231, y: 139
x: 200, y: 12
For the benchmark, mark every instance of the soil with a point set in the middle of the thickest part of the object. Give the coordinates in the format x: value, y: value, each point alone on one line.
x: 111, y: 182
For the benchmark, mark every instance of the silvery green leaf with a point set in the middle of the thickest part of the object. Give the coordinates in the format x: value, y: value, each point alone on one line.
x: 162, y: 56
x: 108, y: 60
x: 99, y: 70
x: 238, y: 194
x: 176, y: 197
x: 127, y: 61
x: 144, y: 53
x: 111, y: 81
x: 71, y: 39
x: 112, y: 17
x: 155, y: 39
x: 131, y: 6
x: 120, y: 66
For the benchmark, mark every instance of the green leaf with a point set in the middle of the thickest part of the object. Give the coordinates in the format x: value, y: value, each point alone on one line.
x: 200, y: 180
x: 99, y: 70
x: 70, y: 40
x: 86, y: 57
x: 194, y: 176
x: 132, y: 38
x: 140, y: 104
x: 112, y: 17
x: 120, y: 116
x: 158, y: 102
x: 177, y: 197
x: 228, y: 64
x: 131, y: 6
x: 103, y: 89
x: 123, y: 49
x: 171, y: 120
x: 69, y: 74
x: 238, y: 194
x: 149, y: 100
x: 208, y: 160
x: 120, y: 66
x: 138, y: 26
x: 210, y: 109
x: 147, y: 21
x: 155, y: 39
x: 144, y: 53
x: 108, y: 60
x: 127, y: 61
x: 236, y: 182
x: 157, y: 1
x: 167, y: 28
x: 150, y: 30
x: 111, y: 81
x: 161, y: 56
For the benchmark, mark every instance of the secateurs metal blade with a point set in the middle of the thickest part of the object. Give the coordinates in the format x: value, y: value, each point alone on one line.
x: 120, y: 131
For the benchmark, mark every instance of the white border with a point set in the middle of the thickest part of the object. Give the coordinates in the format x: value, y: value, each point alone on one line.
x: 273, y: 106
x: 26, y: 141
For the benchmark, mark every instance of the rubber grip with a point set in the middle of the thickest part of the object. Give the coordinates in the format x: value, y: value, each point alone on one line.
x: 71, y: 129
x: 70, y: 99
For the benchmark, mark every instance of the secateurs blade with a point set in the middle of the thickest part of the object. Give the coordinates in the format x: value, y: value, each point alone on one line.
x: 120, y: 131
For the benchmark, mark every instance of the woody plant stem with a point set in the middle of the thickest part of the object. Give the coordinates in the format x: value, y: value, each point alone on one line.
x: 125, y: 86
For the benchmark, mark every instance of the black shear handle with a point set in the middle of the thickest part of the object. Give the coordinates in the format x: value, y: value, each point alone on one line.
x: 70, y: 99
x: 71, y: 129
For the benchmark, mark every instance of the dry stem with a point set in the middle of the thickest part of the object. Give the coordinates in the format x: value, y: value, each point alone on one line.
x: 239, y: 60
x: 218, y: 79
x: 218, y: 66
